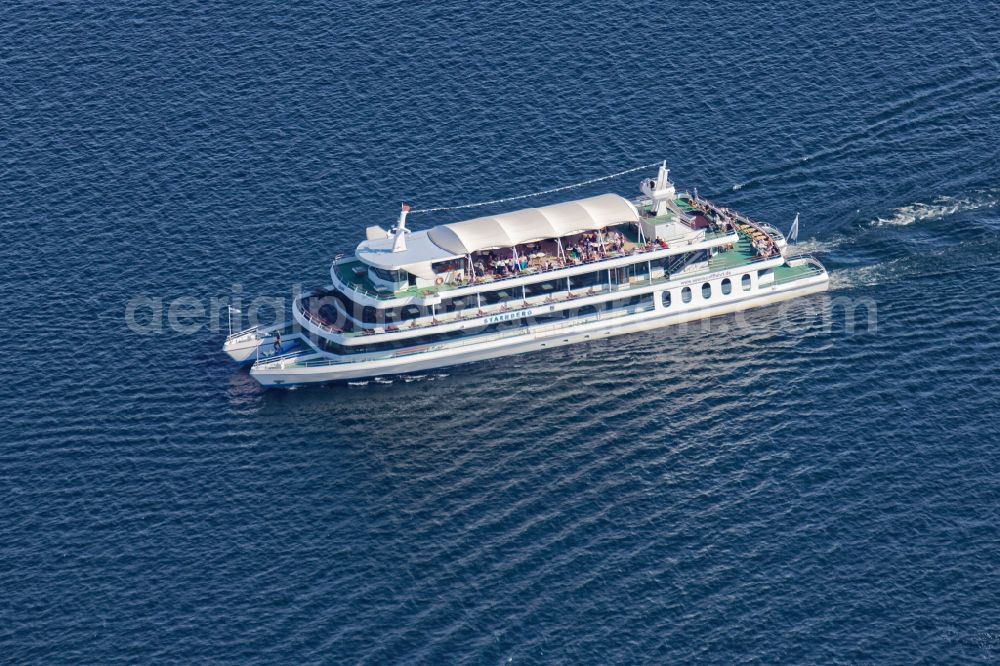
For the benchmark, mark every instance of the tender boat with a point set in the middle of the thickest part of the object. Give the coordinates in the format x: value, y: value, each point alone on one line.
x: 528, y: 280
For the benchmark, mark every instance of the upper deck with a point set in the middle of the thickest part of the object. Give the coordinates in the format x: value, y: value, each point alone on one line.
x: 330, y: 315
x: 607, y: 247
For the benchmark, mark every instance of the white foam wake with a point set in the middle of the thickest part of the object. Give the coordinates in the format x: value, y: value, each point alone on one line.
x: 860, y: 276
x: 939, y: 207
x: 814, y: 246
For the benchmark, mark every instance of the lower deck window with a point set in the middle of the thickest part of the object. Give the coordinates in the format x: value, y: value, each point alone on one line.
x: 587, y: 280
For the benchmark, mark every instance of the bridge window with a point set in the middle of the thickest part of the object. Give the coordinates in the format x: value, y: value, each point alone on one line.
x: 388, y: 276
x: 686, y: 294
x: 727, y: 286
x: 448, y: 266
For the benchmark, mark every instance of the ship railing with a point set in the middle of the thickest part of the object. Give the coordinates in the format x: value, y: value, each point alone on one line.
x: 816, y: 268
x: 261, y: 331
x: 270, y: 361
x: 807, y: 258
x: 448, y: 318
x: 455, y: 344
x: 555, y: 297
x: 549, y: 299
x: 767, y: 228
x: 770, y: 229
x: 314, y: 318
x: 244, y: 332
x: 381, y: 295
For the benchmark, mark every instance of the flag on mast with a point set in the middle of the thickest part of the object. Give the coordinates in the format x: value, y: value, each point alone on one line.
x: 793, y: 233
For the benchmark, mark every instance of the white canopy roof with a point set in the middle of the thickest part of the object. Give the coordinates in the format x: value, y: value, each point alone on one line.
x: 531, y: 224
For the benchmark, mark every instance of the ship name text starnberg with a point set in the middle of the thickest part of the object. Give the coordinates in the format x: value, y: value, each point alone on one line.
x: 533, y: 279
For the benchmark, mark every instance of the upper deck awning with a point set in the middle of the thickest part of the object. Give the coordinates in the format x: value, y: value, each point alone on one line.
x: 532, y: 224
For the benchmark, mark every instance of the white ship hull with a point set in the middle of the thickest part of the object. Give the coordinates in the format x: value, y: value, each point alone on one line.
x: 292, y: 372
x: 524, y: 281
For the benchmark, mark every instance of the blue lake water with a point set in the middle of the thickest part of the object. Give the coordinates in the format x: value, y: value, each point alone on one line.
x: 768, y: 490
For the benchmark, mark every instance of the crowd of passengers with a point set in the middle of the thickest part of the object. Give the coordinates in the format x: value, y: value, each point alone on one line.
x: 588, y: 247
x: 726, y: 220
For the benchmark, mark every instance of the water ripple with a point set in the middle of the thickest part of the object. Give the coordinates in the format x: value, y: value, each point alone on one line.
x: 803, y: 484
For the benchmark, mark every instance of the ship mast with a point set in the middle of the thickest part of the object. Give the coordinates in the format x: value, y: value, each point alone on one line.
x: 661, y: 191
x: 399, y: 233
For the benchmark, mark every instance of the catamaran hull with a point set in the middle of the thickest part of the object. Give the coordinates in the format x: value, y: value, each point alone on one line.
x: 274, y: 375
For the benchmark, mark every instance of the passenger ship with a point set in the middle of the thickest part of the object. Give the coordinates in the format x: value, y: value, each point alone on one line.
x: 533, y: 279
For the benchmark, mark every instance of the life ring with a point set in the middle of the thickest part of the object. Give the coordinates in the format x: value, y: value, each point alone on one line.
x: 439, y: 281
